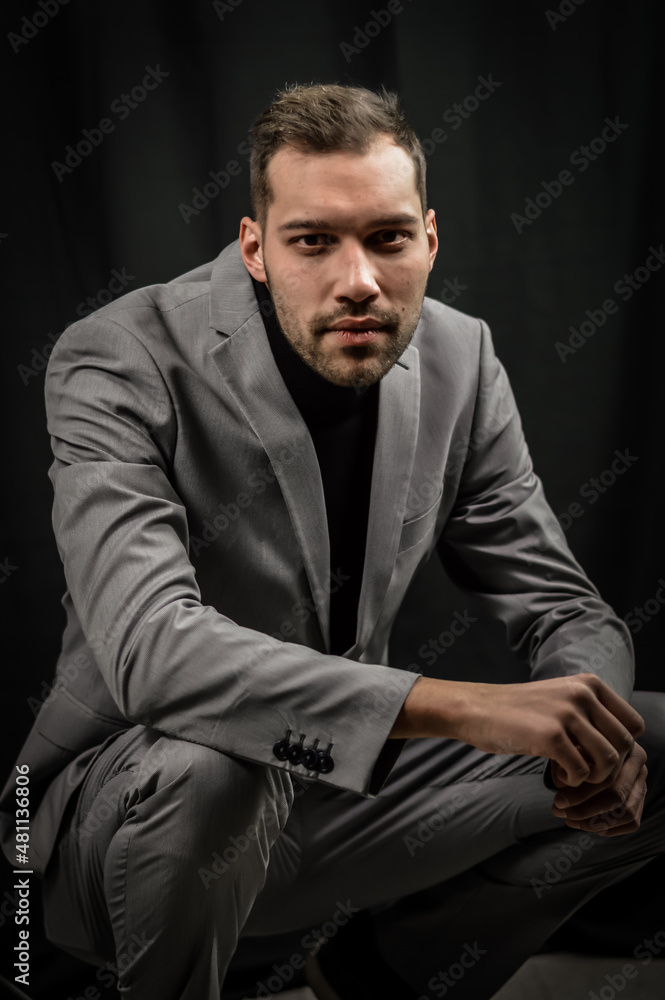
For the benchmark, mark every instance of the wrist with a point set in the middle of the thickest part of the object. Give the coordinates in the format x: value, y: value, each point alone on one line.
x: 435, y: 707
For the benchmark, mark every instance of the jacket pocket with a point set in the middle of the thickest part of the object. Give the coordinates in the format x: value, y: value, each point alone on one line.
x: 420, y: 527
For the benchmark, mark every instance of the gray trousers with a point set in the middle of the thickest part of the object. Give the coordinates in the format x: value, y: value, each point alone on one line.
x: 172, y: 851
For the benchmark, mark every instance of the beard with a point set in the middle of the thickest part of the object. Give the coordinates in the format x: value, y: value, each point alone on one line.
x: 357, y: 365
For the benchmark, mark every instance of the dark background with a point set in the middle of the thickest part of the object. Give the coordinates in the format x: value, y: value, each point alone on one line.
x: 121, y: 208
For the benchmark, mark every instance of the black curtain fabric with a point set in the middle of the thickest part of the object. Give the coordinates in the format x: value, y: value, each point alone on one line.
x: 126, y: 159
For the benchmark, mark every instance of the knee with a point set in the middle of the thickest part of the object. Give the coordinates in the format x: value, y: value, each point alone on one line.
x: 212, y: 789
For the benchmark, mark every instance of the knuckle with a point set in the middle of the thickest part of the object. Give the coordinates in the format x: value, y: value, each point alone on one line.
x: 557, y: 737
x: 582, y: 695
x: 582, y: 771
x: 567, y: 719
x: 622, y: 793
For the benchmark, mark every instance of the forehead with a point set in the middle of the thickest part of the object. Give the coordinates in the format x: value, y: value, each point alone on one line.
x: 342, y: 183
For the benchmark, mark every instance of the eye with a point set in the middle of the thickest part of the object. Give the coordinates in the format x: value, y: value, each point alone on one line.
x: 311, y: 240
x: 392, y: 237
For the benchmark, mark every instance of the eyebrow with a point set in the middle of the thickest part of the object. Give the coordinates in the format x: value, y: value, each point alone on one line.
x: 324, y: 224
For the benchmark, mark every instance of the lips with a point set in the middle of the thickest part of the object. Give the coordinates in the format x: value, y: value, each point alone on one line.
x: 356, y: 326
x: 355, y: 336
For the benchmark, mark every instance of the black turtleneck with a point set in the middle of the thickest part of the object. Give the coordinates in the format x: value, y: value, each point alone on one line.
x: 342, y: 423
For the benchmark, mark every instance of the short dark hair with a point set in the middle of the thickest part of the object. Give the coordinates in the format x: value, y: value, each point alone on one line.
x: 324, y: 118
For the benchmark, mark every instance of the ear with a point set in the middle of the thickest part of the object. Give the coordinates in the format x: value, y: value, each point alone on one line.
x: 251, y: 248
x: 432, y: 238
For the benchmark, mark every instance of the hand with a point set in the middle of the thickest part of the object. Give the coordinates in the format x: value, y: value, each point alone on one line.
x: 610, y: 808
x: 579, y: 722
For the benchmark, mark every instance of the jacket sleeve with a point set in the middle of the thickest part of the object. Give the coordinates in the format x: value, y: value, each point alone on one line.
x: 169, y: 661
x: 504, y: 544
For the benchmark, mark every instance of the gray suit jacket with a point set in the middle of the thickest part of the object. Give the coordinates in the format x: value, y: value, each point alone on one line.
x: 189, y: 515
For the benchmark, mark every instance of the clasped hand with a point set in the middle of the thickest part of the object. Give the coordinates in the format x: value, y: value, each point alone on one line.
x: 588, y: 731
x: 610, y: 807
x: 580, y: 723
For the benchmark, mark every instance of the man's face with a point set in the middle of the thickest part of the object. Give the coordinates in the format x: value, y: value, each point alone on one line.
x: 346, y: 256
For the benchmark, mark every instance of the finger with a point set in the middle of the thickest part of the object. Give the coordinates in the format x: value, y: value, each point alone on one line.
x: 581, y: 802
x: 603, y: 756
x: 614, y: 731
x: 623, y: 818
x: 567, y: 796
x: 593, y: 702
x: 632, y: 814
x: 568, y: 761
x: 620, y: 709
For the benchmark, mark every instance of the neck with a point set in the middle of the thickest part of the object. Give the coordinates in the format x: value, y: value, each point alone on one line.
x: 319, y: 401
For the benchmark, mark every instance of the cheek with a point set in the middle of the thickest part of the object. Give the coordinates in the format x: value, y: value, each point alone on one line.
x: 298, y: 287
x: 407, y: 291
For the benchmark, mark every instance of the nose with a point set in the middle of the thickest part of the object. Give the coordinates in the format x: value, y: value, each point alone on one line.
x: 355, y: 277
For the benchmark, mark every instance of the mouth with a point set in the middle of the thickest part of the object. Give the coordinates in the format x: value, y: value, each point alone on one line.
x: 357, y: 331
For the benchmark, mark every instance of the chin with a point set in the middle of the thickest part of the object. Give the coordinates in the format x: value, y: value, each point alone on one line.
x: 356, y: 379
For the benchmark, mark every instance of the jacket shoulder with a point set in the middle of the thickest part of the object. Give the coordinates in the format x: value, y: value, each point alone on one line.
x: 448, y: 337
x: 160, y: 316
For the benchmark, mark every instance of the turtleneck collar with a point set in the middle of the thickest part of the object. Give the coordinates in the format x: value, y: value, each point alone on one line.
x: 319, y: 401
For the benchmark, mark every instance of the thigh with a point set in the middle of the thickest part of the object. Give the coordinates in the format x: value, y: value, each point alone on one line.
x: 159, y: 820
x: 75, y: 912
x: 445, y: 808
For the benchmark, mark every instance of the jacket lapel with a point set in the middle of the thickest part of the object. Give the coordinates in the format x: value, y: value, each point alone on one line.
x: 394, y: 451
x: 246, y: 366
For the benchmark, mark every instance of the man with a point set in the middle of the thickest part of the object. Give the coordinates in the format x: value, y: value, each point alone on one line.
x: 240, y: 462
